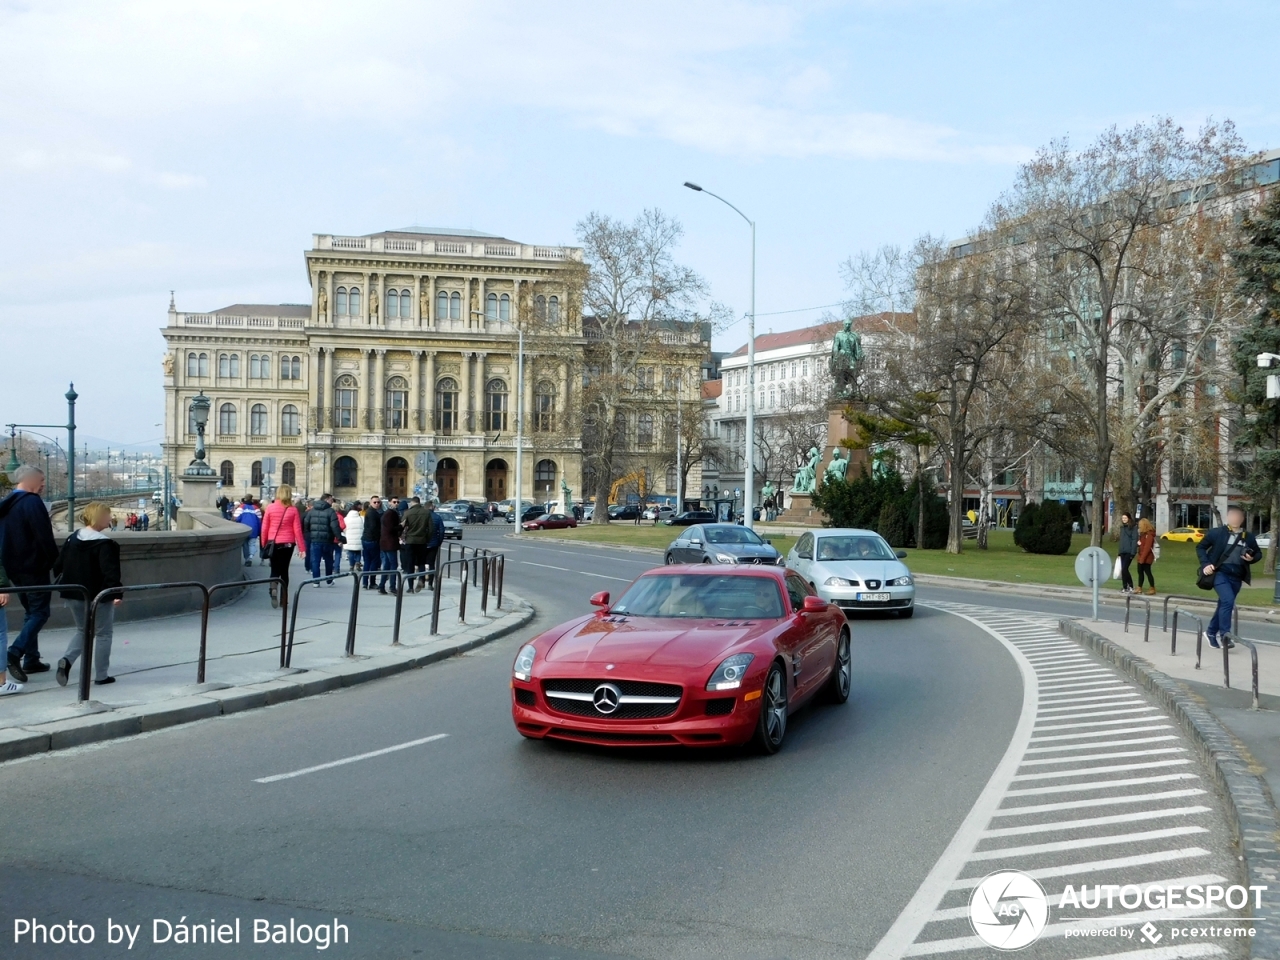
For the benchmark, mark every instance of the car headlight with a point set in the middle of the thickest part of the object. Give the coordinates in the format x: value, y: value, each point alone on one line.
x: 837, y: 582
x: 729, y: 674
x: 899, y: 582
x: 523, y: 668
x: 726, y: 558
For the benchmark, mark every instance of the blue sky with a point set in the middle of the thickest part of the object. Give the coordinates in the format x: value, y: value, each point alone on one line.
x: 146, y: 147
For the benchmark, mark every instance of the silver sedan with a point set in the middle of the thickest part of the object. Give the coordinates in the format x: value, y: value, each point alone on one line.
x: 855, y: 569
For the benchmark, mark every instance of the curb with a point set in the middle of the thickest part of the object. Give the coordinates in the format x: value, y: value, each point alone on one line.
x: 1253, y: 814
x: 107, y: 724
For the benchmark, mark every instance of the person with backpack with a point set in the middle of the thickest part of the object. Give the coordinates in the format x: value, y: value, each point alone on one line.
x: 1226, y: 553
x: 281, y: 534
x: 90, y: 559
x: 28, y: 552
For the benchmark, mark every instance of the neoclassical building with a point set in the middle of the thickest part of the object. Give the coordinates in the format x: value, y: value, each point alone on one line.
x: 408, y: 345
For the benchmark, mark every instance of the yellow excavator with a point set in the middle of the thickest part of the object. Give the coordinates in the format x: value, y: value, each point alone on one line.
x: 636, y: 478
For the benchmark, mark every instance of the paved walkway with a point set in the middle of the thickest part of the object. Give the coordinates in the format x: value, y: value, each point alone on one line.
x: 155, y: 661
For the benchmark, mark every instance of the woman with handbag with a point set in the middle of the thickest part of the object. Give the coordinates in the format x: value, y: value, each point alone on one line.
x: 1128, y: 549
x: 281, y: 534
x: 1146, y: 555
x: 90, y: 559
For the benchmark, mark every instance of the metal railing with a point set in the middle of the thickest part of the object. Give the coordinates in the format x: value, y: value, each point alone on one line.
x: 1164, y: 624
x: 1173, y: 644
x: 350, y: 646
x: 1226, y: 666
x: 1146, y: 630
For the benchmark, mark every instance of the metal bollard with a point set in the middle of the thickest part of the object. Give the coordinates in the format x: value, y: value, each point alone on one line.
x: 462, y: 597
x: 502, y: 569
x: 435, y: 602
x: 351, y: 617
x: 484, y: 588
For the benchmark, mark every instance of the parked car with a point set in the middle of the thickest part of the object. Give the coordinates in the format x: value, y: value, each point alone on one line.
x: 468, y: 512
x: 624, y: 511
x: 549, y: 521
x: 855, y: 569
x: 690, y: 517
x: 721, y: 543
x: 696, y: 656
x: 452, y: 525
x: 1184, y: 535
x: 532, y: 512
x: 658, y: 512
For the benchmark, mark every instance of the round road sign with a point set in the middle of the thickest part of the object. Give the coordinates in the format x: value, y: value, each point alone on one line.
x: 1093, y: 564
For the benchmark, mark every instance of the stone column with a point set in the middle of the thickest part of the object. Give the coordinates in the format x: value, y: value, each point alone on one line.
x: 429, y: 395
x: 562, y: 402
x: 380, y: 392
x: 364, y: 301
x: 382, y: 299
x: 464, y: 395
x: 332, y: 305
x: 315, y: 392
x: 431, y: 321
x: 415, y: 385
x: 481, y: 380
x: 528, y: 393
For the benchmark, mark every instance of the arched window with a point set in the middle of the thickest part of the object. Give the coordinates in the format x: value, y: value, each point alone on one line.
x: 644, y: 430
x: 397, y: 403
x: 544, y: 478
x: 192, y: 369
x: 345, y: 401
x: 258, y: 422
x: 670, y: 429
x: 284, y: 368
x: 290, y: 425
x: 296, y: 368
x: 393, y: 304
x: 540, y: 307
x: 224, y: 365
x: 504, y: 308
x: 227, y: 419
x: 491, y: 307
x: 553, y: 309
x: 446, y: 405
x: 495, y: 405
x: 442, y: 305
x: 455, y: 306
x: 340, y: 302
x: 255, y: 367
x: 227, y: 473
x: 345, y: 472
x: 255, y: 473
x: 406, y: 305
x: 353, y: 302
x: 204, y: 365
x: 544, y: 407
x: 620, y: 429
x: 288, y: 473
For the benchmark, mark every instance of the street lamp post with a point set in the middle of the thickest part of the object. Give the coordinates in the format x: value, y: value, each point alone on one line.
x: 519, y: 424
x: 200, y: 414
x: 749, y: 478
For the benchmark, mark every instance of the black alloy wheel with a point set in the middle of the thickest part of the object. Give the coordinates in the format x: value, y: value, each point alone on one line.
x: 771, y: 728
x: 670, y: 559
x: 841, y: 680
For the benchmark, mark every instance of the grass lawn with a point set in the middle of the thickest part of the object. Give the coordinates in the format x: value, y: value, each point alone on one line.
x: 1175, y: 571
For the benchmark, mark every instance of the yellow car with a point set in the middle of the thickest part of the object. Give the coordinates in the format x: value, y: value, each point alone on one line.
x: 1184, y: 534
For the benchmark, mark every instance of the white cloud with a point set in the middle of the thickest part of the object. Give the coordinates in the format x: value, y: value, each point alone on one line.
x: 180, y: 181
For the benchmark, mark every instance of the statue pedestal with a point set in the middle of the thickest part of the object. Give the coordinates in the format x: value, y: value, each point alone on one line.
x: 801, y: 510
x: 839, y: 430
x: 198, y: 493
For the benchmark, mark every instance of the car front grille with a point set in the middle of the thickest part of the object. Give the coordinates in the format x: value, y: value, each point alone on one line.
x: 771, y: 561
x: 576, y: 698
x: 592, y: 736
x: 720, y: 706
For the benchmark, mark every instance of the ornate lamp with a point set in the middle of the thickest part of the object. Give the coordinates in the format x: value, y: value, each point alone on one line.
x: 200, y: 414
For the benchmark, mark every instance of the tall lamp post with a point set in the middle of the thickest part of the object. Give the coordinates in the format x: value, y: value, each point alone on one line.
x: 519, y: 425
x: 200, y: 414
x: 70, y: 427
x: 748, y: 483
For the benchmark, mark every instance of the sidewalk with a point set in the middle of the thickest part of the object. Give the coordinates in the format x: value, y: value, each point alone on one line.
x: 154, y: 661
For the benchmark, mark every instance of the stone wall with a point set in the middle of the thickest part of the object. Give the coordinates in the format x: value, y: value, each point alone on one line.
x: 206, y: 549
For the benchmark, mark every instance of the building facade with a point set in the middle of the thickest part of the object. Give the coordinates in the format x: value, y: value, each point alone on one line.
x: 408, y: 345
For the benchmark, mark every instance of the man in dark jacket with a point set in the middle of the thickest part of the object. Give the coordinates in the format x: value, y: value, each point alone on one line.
x: 1226, y: 554
x: 27, y: 552
x: 389, y: 544
x: 320, y: 527
x: 432, y: 552
x: 370, y: 535
x: 417, y: 531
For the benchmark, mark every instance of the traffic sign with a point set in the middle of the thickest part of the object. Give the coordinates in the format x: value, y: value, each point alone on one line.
x: 425, y: 462
x: 1093, y: 567
x: 268, y: 465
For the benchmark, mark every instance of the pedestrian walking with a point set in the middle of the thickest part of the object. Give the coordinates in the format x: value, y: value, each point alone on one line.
x: 144, y: 522
x: 353, y: 535
x: 27, y: 552
x: 246, y: 514
x: 90, y: 559
x: 1146, y: 555
x: 7, y: 686
x: 1128, y: 550
x: 431, y: 552
x: 1226, y: 553
x: 389, y: 544
x: 281, y: 535
x: 340, y: 541
x: 418, y: 528
x: 320, y: 526
x: 370, y: 546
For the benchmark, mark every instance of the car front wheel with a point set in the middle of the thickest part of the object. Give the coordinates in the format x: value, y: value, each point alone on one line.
x: 670, y: 559
x: 771, y: 728
x: 841, y: 681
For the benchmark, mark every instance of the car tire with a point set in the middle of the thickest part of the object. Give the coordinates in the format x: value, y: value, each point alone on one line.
x: 771, y: 727
x: 907, y: 613
x: 841, y: 680
x: 706, y: 559
x: 670, y: 559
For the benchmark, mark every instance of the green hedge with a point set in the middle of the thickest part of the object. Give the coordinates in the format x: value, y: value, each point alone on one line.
x: 1044, y: 528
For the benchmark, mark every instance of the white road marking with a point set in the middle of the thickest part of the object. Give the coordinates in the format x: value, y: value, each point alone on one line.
x: 1184, y: 951
x: 1097, y: 866
x: 1082, y: 736
x: 602, y: 576
x: 1055, y: 712
x: 546, y: 566
x: 1096, y: 723
x: 1058, y: 846
x: 346, y: 760
x: 1088, y: 696
x: 1094, y: 771
x: 1060, y: 825
x: 1101, y: 743
x: 1097, y: 802
x: 1088, y: 711
x: 1103, y: 756
x: 1100, y: 785
x: 962, y: 913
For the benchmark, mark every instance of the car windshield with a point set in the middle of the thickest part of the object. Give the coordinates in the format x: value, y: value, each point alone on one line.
x: 702, y: 596
x: 854, y: 548
x: 731, y: 535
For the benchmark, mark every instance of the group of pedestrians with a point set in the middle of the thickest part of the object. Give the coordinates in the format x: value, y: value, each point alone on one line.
x: 395, y: 541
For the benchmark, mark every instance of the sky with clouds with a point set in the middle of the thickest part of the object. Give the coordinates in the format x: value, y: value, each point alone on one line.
x: 147, y: 146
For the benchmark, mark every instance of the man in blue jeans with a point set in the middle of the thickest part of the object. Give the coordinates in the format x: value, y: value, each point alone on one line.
x: 370, y: 550
x: 390, y: 547
x: 1226, y: 553
x: 27, y: 551
x: 320, y: 527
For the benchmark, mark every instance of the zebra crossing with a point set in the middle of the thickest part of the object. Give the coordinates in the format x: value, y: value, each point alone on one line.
x: 1098, y: 791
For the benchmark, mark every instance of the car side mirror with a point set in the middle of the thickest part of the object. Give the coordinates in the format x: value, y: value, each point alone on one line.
x: 767, y: 540
x: 900, y: 554
x: 601, y: 599
x: 814, y: 605
x: 695, y: 543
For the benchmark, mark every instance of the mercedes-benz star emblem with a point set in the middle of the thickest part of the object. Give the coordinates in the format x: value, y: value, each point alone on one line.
x: 606, y: 698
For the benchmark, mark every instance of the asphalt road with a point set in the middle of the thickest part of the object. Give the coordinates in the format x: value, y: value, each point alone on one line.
x: 483, y: 845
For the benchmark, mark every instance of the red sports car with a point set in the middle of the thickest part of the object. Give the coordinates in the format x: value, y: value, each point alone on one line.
x: 695, y: 655
x: 549, y: 521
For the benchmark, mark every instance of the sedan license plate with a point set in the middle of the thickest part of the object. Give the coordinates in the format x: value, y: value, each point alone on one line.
x: 873, y: 598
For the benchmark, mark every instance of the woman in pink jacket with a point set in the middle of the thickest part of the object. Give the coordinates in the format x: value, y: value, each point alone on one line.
x: 281, y: 533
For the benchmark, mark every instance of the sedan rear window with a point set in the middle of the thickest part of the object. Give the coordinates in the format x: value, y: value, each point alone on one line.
x: 854, y: 548
x: 702, y: 596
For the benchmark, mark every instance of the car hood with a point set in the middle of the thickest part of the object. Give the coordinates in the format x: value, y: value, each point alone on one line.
x: 742, y: 549
x: 859, y: 570
x: 653, y: 641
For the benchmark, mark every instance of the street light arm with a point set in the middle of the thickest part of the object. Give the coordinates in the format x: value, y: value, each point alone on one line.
x: 722, y: 200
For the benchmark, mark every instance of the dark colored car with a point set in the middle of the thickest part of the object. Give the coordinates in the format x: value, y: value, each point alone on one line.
x: 690, y: 517
x: 624, y: 511
x: 549, y: 521
x: 692, y: 655
x: 721, y: 543
x: 468, y: 512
